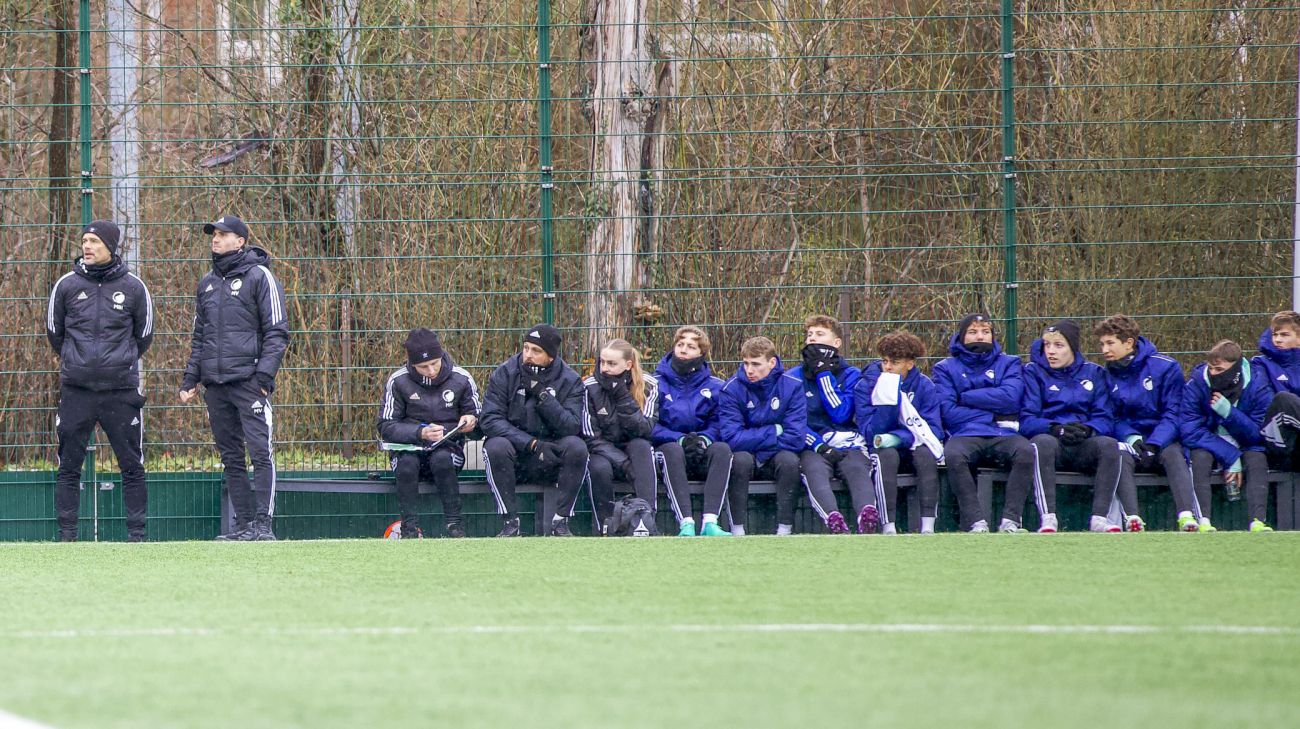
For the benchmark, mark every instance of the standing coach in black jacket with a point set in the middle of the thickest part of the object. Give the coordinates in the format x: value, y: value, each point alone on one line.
x: 532, y: 417
x: 240, y: 334
x: 100, y: 323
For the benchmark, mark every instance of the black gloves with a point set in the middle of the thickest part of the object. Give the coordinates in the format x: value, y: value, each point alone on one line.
x: 819, y: 358
x: 534, y: 387
x: 694, y: 445
x: 832, y: 455
x: 266, y: 382
x: 1145, y: 454
x: 1073, y: 434
x: 547, y: 452
x: 1056, y: 430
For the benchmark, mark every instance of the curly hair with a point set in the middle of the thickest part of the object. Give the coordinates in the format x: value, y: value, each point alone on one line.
x: 1119, y: 326
x: 900, y: 345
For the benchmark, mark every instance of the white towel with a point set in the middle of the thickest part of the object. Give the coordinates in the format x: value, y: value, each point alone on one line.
x: 887, y: 392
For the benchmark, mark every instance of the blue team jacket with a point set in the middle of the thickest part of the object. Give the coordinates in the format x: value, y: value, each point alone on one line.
x: 686, y: 406
x: 750, y: 411
x: 975, y: 388
x: 1074, y: 394
x: 830, y: 401
x: 1146, y: 396
x: 876, y: 420
x: 1199, y: 425
x: 1276, y: 369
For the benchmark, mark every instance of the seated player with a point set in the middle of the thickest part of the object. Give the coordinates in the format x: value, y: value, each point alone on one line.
x: 763, y: 417
x: 898, y: 410
x: 617, y: 422
x: 428, y: 407
x: 1066, y: 416
x: 532, y: 417
x: 1146, y: 393
x: 1223, y: 408
x: 835, y: 447
x: 980, y: 390
x: 1278, y: 367
x: 686, y: 435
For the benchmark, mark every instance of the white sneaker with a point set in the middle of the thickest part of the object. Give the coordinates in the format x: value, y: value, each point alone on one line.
x: 1102, y: 525
x: 1049, y: 524
x: 1010, y: 527
x: 889, y: 529
x: 979, y: 527
x: 1135, y: 524
x: 737, y: 530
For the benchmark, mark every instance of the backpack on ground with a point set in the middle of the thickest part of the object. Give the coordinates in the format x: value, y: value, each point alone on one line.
x: 632, y: 517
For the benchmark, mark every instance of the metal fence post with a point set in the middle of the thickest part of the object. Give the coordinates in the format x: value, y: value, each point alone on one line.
x: 88, y: 473
x: 1009, y: 283
x: 544, y: 156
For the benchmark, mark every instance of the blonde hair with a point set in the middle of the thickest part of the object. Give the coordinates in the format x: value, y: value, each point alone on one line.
x: 700, y: 336
x: 755, y: 347
x: 637, y: 388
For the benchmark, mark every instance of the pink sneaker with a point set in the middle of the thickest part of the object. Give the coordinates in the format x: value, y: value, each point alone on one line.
x: 868, y: 520
x: 835, y: 523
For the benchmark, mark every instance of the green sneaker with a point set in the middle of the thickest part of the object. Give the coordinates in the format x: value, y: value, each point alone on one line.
x: 711, y: 529
x: 1207, y: 527
x: 687, y: 530
x: 1259, y: 526
x: 1188, y: 524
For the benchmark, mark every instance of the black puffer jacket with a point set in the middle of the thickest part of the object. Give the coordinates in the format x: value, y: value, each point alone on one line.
x: 241, y: 328
x: 612, y: 415
x: 510, y: 412
x: 100, y: 323
x: 412, y: 401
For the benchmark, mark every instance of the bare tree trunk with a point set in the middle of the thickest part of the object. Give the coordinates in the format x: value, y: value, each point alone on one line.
x: 347, y: 197
x: 61, y: 183
x: 625, y: 157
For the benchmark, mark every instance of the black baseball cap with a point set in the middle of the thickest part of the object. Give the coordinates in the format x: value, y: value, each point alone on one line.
x: 227, y: 224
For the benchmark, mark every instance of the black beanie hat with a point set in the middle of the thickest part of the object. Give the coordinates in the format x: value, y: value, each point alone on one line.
x: 969, y: 319
x: 107, y: 231
x: 422, y: 345
x: 547, y: 337
x: 1068, y: 329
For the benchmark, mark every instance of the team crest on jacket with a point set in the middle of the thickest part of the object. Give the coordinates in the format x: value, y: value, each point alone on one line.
x: 706, y: 393
x: 1148, y: 385
x: 776, y: 403
x: 448, y: 396
x: 990, y: 374
x: 236, y: 285
x: 1087, y: 385
x: 119, y: 297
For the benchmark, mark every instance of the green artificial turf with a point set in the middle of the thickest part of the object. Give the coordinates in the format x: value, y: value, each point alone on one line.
x: 613, y: 633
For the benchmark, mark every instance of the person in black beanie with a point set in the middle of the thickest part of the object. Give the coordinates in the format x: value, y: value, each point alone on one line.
x: 100, y: 323
x: 241, y: 331
x: 428, y: 408
x: 532, y: 418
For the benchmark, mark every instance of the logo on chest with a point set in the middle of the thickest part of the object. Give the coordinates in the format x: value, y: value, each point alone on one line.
x: 235, y: 286
x: 119, y: 299
x: 1087, y: 385
x: 776, y: 403
x: 448, y: 397
x: 1148, y: 385
x: 415, y: 396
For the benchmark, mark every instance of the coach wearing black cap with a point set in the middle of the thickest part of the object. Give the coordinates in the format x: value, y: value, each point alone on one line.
x: 240, y: 334
x: 532, y: 417
x: 100, y: 323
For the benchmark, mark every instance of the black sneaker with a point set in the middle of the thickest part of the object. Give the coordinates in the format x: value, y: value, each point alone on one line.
x: 261, y: 531
x: 136, y: 538
x: 560, y: 528
x: 510, y: 528
x: 234, y: 534
x: 66, y: 536
x: 455, y: 530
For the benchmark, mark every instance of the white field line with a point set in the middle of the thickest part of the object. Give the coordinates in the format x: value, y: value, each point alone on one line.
x: 13, y: 721
x: 942, y: 628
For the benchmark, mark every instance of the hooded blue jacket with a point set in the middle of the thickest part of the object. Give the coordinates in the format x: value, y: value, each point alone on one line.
x: 876, y: 420
x: 1277, y: 369
x: 830, y: 401
x: 1199, y: 425
x: 1074, y: 394
x: 973, y: 389
x: 750, y: 411
x: 1146, y: 396
x: 686, y: 405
